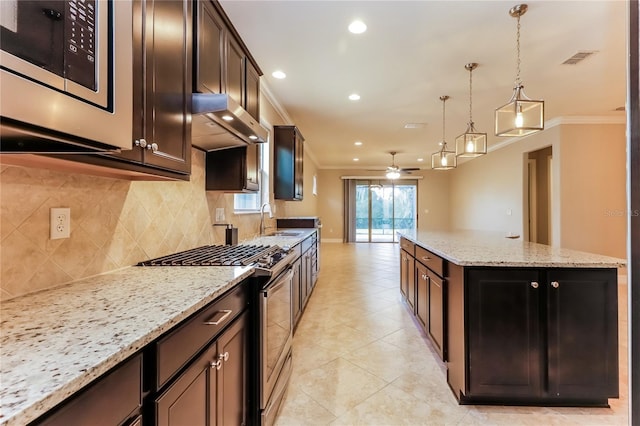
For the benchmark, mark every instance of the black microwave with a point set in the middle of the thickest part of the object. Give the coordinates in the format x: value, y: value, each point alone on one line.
x: 66, y: 75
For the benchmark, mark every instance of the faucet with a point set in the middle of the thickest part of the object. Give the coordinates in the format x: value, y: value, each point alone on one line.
x: 262, y: 210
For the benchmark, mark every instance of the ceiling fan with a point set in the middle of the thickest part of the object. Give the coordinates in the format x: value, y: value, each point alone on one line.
x: 394, y: 172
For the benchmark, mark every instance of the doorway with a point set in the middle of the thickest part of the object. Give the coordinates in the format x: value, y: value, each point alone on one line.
x: 382, y: 208
x: 539, y: 195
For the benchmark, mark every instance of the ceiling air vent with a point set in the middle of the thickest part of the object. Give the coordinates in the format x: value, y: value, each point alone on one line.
x: 579, y: 57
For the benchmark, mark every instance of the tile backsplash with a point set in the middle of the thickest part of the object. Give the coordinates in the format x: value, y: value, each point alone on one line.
x: 114, y: 223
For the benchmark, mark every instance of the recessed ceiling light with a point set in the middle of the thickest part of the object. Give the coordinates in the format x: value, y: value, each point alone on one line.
x: 357, y: 27
x: 253, y: 137
x: 278, y: 74
x: 354, y: 97
x: 227, y: 118
x: 357, y: 143
x: 414, y: 125
x: 356, y: 159
x: 420, y: 159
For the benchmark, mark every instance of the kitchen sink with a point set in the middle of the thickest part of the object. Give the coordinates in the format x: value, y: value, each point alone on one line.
x: 286, y: 233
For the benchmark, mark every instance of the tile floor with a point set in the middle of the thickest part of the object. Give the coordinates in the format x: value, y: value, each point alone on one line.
x: 359, y: 358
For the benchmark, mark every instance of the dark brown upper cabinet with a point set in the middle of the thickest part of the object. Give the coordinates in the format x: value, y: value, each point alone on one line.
x: 288, y: 163
x: 161, y: 86
x: 223, y: 63
x: 233, y: 169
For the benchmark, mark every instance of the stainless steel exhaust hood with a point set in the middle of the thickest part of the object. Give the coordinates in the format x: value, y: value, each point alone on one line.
x: 219, y: 122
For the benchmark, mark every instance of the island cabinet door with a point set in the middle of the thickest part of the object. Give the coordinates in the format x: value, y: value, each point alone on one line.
x: 404, y: 265
x: 411, y: 283
x: 422, y: 296
x: 504, y: 333
x: 583, y: 333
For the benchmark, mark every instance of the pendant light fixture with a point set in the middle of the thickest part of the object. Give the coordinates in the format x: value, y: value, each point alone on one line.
x: 520, y: 116
x: 443, y: 159
x: 471, y: 143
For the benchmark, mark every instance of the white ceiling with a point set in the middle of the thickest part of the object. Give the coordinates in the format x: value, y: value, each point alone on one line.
x: 412, y: 53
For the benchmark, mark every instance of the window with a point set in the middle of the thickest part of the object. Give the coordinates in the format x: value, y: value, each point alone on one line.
x: 250, y: 203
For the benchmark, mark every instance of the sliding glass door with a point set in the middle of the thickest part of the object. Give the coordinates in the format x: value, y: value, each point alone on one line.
x: 382, y: 208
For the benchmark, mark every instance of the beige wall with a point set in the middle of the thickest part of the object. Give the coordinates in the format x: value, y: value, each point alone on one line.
x: 593, y: 189
x: 433, y: 201
x: 588, y: 195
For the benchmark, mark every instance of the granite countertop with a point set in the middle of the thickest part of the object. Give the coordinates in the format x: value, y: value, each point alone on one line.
x: 477, y: 248
x: 55, y: 342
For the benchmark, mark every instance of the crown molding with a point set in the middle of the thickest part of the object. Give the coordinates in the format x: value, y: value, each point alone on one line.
x: 560, y: 121
x: 265, y: 91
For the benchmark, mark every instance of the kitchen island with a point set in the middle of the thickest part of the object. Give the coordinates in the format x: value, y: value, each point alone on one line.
x: 56, y: 343
x: 515, y: 322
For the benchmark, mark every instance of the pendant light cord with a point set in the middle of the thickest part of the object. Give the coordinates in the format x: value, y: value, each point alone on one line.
x: 444, y: 142
x: 518, y: 81
x: 470, y: 95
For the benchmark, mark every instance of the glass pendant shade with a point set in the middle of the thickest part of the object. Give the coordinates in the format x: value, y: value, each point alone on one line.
x: 471, y: 143
x: 443, y: 159
x: 521, y: 116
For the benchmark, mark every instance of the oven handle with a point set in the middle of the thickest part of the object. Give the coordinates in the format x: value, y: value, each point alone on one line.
x: 279, y: 282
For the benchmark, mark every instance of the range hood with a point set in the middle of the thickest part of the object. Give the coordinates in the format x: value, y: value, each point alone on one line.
x: 219, y: 122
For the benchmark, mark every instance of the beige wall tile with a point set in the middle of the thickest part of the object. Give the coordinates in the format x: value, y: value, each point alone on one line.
x: 114, y: 223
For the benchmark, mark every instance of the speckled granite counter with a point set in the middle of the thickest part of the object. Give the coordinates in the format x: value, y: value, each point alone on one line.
x: 493, y: 249
x: 55, y: 342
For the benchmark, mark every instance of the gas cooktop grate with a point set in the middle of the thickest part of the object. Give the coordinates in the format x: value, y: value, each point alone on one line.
x: 215, y: 255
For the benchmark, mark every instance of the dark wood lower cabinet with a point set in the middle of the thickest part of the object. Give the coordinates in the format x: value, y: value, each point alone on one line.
x: 113, y: 400
x: 504, y: 333
x: 422, y: 296
x: 212, y: 390
x: 436, y: 322
x: 582, y: 333
x: 539, y: 336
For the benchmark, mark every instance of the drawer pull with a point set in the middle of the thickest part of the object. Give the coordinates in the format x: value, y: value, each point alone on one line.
x: 534, y: 284
x: 555, y: 284
x: 426, y: 258
x: 225, y: 312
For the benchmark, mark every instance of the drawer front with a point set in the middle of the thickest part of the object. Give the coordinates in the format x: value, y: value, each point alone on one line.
x: 175, y: 350
x: 430, y: 260
x: 110, y: 401
x: 407, y: 246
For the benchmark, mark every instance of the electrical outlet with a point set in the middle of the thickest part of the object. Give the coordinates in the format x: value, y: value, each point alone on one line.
x: 219, y: 214
x: 60, y: 223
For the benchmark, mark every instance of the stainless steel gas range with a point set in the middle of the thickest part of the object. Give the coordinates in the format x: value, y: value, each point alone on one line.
x: 271, y: 297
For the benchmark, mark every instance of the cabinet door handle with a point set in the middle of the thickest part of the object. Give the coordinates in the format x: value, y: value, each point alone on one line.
x: 216, y: 364
x: 424, y: 277
x: 225, y: 312
x: 142, y: 143
x: 534, y: 284
x: 555, y: 284
x: 152, y: 147
x: 223, y: 357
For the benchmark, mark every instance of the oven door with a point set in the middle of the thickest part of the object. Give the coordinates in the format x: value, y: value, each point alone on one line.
x: 276, y: 326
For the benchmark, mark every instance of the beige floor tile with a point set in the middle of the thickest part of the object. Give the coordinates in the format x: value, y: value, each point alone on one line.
x: 392, y: 406
x: 300, y: 409
x: 340, y: 385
